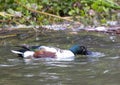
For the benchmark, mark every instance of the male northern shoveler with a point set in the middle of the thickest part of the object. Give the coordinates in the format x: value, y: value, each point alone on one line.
x: 51, y: 52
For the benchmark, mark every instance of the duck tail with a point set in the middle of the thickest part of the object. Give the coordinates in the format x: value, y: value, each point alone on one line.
x: 20, y: 53
x: 17, y: 52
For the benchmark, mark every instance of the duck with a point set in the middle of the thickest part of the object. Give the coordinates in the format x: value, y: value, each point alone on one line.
x: 55, y: 53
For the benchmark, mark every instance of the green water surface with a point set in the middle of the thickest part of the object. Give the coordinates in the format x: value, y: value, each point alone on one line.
x: 82, y: 71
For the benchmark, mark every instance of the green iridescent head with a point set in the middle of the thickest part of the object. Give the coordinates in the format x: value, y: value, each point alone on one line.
x: 77, y: 49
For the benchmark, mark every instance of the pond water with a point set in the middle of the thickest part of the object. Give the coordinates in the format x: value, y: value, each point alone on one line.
x: 84, y: 70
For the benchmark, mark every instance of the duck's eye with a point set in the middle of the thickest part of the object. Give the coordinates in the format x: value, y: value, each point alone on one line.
x: 83, y: 49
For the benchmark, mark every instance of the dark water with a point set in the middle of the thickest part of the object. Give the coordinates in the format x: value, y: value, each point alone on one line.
x: 84, y: 70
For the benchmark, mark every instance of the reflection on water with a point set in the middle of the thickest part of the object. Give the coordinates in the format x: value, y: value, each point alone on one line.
x: 102, y: 67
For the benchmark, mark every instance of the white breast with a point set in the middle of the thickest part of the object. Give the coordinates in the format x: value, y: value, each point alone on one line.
x: 65, y: 55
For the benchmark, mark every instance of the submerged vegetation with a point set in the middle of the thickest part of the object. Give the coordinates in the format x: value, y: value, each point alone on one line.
x: 39, y: 12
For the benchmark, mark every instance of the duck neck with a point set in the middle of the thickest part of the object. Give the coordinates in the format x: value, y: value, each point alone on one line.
x: 73, y: 50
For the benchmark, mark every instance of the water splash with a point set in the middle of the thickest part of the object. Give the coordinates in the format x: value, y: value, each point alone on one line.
x: 94, y: 56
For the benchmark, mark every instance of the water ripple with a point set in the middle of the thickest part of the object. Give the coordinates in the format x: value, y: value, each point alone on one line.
x: 6, y: 65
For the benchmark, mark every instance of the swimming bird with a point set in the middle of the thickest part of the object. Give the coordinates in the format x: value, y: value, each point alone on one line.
x: 51, y: 52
